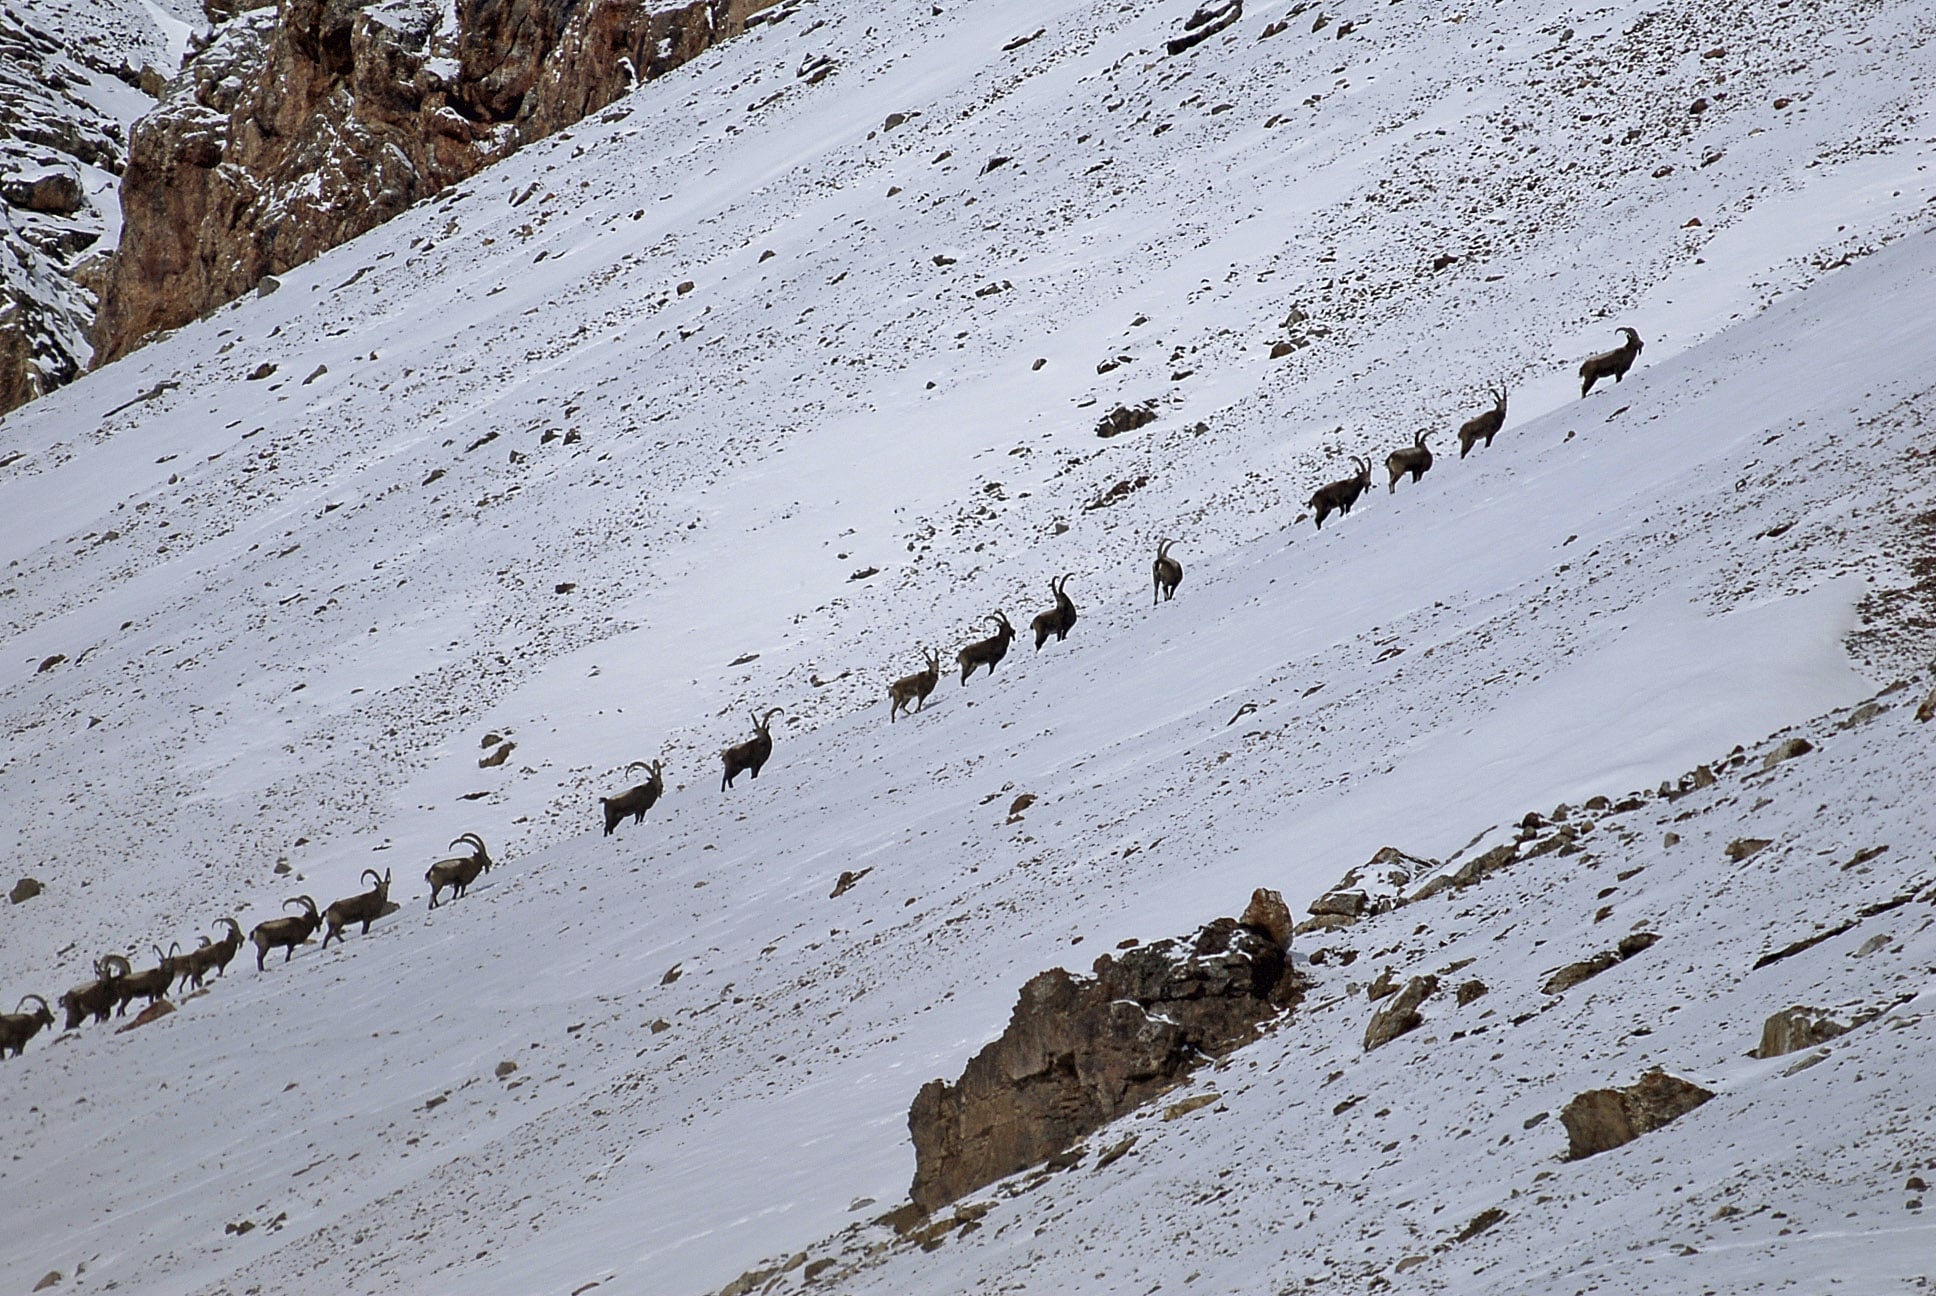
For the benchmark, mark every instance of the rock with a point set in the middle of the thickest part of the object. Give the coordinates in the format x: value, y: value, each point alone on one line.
x: 1281, y: 349
x: 1345, y: 904
x: 1927, y: 711
x: 1787, y: 751
x: 153, y: 1012
x: 505, y: 1068
x: 24, y: 890
x: 1081, y: 1050
x: 498, y: 757
x: 1794, y: 1029
x: 1126, y: 418
x: 52, y: 191
x: 1574, y: 973
x: 1635, y: 942
x: 1479, y: 1223
x: 1385, y: 983
x: 51, y: 1278
x: 1742, y: 847
x: 1401, y: 1014
x: 1268, y: 915
x: 267, y: 285
x: 1470, y: 990
x: 1602, y: 1119
x: 302, y: 125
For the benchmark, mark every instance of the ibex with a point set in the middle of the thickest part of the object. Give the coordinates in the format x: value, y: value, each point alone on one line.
x: 17, y: 1027
x: 95, y: 998
x: 914, y: 688
x: 460, y: 871
x: 364, y: 907
x: 196, y: 963
x: 751, y: 754
x: 1167, y: 571
x: 1483, y: 427
x: 1058, y: 620
x: 149, y: 983
x: 986, y: 652
x: 286, y: 933
x: 634, y: 801
x: 1415, y: 459
x: 1610, y: 364
x: 1339, y: 496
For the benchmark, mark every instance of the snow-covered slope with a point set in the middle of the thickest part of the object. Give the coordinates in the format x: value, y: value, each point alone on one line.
x: 494, y: 470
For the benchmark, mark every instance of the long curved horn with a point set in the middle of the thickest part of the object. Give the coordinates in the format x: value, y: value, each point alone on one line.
x: 106, y: 962
x: 470, y: 837
x: 234, y: 926
x: 638, y: 765
x: 768, y: 719
x: 375, y: 878
x: 36, y: 998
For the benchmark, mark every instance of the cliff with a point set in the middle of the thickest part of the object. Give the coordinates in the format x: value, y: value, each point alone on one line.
x: 297, y: 128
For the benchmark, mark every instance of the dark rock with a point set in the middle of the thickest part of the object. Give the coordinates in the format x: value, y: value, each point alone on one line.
x: 1079, y: 1051
x: 1787, y: 751
x: 24, y: 890
x: 1742, y: 848
x: 1574, y: 973
x: 1602, y: 1119
x: 1470, y: 990
x: 1125, y: 418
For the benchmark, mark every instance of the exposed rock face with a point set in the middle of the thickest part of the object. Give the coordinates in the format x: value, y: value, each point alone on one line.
x: 24, y: 890
x: 302, y: 126
x: 1602, y: 1119
x: 61, y: 145
x: 1080, y: 1051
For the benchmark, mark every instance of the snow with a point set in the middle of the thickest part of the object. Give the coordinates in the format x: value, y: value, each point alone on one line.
x: 292, y: 608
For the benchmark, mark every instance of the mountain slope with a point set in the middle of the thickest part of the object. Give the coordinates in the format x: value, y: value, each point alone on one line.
x: 292, y: 607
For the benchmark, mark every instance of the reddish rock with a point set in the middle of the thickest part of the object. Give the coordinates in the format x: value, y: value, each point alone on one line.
x: 303, y: 125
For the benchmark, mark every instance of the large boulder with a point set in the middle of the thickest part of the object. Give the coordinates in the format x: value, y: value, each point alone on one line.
x: 1081, y: 1050
x: 1602, y: 1119
x: 1401, y: 1014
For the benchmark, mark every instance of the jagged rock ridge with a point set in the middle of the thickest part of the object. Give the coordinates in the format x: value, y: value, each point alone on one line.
x: 1080, y: 1051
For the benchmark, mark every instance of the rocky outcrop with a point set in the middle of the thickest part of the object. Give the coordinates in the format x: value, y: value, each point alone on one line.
x: 1602, y: 1119
x: 1080, y: 1051
x: 61, y: 145
x: 1794, y: 1029
x: 299, y: 127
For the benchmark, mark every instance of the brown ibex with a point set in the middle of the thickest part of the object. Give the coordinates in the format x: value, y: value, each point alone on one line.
x: 1167, y: 571
x: 149, y: 983
x: 1483, y: 427
x: 914, y: 688
x: 634, y: 801
x: 364, y: 907
x: 286, y: 933
x: 1058, y: 620
x: 196, y: 963
x: 95, y: 998
x: 986, y: 652
x: 1610, y: 364
x: 460, y: 871
x: 1339, y: 496
x: 17, y: 1027
x: 751, y: 754
x: 1415, y: 459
